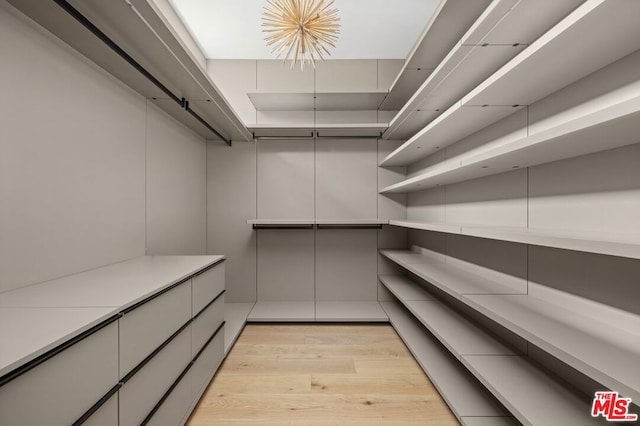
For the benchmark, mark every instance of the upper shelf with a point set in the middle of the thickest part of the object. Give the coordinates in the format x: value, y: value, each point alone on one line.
x: 563, y: 55
x: 311, y: 223
x: 502, y: 31
x: 342, y: 101
x: 308, y: 130
x: 448, y: 23
x: 139, y: 29
x: 608, y: 127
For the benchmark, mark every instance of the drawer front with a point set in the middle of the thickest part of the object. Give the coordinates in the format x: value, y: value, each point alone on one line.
x: 107, y: 415
x: 145, y: 328
x: 174, y: 409
x: 206, y: 323
x: 63, y: 388
x: 207, y: 286
x: 142, y: 392
x: 207, y: 364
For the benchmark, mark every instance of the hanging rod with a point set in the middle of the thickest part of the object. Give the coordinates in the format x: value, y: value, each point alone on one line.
x: 73, y: 12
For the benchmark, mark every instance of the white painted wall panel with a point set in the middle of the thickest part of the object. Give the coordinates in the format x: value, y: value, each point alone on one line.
x: 595, y: 193
x: 176, y: 187
x: 231, y: 201
x: 346, y: 261
x: 286, y: 175
x: 498, y: 200
x: 72, y: 155
x: 388, y: 70
x: 346, y: 179
x: 286, y: 265
x: 276, y: 76
x: 427, y: 206
x: 347, y: 76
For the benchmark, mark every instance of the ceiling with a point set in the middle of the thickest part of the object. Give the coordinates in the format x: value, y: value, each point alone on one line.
x: 370, y: 29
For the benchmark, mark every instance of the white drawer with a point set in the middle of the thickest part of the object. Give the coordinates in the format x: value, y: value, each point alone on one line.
x: 206, y: 286
x: 175, y: 408
x: 207, y: 364
x: 142, y: 392
x: 107, y: 415
x: 206, y: 323
x: 63, y: 388
x: 143, y: 329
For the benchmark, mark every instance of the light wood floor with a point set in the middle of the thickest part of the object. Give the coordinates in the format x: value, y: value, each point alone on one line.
x: 321, y: 374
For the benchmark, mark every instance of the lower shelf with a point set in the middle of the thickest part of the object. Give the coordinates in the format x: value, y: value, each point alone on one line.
x: 466, y: 397
x: 282, y: 312
x: 317, y: 312
x: 350, y: 311
x: 235, y: 317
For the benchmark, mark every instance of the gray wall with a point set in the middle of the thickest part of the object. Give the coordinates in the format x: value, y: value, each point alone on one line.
x: 89, y: 172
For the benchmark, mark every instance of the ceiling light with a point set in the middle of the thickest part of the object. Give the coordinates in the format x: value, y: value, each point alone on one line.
x: 300, y: 29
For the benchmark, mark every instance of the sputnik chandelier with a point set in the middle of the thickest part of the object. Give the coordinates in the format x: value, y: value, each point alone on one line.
x: 300, y: 29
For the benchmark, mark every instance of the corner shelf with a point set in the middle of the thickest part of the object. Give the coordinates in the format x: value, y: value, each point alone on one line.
x: 502, y: 31
x: 466, y: 397
x: 561, y: 56
x: 522, y: 388
x: 235, y: 318
x: 450, y: 279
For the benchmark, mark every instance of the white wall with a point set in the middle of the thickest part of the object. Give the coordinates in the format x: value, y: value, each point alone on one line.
x: 73, y: 181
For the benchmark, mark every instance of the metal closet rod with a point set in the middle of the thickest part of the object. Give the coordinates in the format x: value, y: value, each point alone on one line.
x: 124, y: 55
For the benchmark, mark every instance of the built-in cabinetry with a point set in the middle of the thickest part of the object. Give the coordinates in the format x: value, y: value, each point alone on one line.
x: 132, y: 343
x: 521, y: 192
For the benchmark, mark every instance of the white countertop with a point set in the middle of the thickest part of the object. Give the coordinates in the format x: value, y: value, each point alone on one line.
x: 37, y: 318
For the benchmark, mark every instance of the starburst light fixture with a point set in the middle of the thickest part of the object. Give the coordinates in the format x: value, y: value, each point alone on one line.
x: 301, y: 29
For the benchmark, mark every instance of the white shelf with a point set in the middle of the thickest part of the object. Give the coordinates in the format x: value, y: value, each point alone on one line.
x: 564, y: 54
x: 610, y: 127
x: 466, y: 397
x: 530, y: 393
x: 144, y: 36
x: 235, y: 317
x: 453, y: 125
x: 605, y: 353
x: 503, y: 30
x: 456, y: 333
x: 450, y: 279
x: 338, y: 101
x: 590, y: 242
x: 448, y: 23
x: 308, y: 223
x: 310, y: 130
x: 350, y: 311
x: 405, y: 289
x: 282, y: 312
x: 545, y: 64
x: 281, y: 223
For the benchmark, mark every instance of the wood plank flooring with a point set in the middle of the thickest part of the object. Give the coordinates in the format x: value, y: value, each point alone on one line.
x: 320, y: 374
